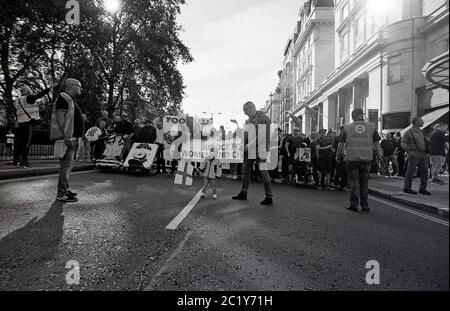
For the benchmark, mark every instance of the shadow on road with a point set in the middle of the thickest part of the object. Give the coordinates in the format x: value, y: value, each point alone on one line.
x: 24, y: 252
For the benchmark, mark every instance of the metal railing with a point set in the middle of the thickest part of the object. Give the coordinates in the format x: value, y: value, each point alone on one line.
x: 36, y: 152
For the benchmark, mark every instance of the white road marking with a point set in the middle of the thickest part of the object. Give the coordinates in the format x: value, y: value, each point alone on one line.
x: 166, y: 265
x: 42, y: 176
x: 407, y: 210
x: 177, y: 220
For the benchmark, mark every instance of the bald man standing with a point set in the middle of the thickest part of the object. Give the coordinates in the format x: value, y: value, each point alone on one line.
x: 66, y: 129
x: 256, y: 119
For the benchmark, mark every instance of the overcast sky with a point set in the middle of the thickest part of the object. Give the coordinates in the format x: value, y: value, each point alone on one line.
x: 238, y: 49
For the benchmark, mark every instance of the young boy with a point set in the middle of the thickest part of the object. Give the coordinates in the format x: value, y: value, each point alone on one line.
x: 211, y: 169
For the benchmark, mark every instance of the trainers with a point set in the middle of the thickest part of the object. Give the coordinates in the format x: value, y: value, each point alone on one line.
x: 241, y: 197
x: 66, y: 198
x: 214, y: 196
x: 352, y: 208
x: 235, y: 177
x: 26, y: 164
x: 71, y: 194
x: 437, y: 182
x: 425, y: 192
x: 267, y: 201
x: 409, y: 191
x: 202, y: 195
x: 365, y: 209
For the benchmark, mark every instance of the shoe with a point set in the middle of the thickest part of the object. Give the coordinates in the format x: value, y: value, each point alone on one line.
x: 202, y: 195
x: 26, y: 164
x: 214, y: 196
x: 366, y: 209
x: 409, y: 191
x: 437, y: 182
x: 352, y: 208
x: 66, y: 198
x: 267, y: 201
x: 235, y: 177
x: 241, y: 197
x: 71, y: 194
x: 425, y: 192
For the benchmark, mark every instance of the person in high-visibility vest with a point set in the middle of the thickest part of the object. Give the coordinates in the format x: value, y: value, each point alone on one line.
x: 27, y: 116
x: 357, y: 142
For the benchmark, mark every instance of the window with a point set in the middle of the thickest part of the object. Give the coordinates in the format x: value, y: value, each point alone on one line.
x: 309, y: 59
x: 310, y: 82
x: 395, y: 69
x: 344, y: 11
x: 360, y: 28
x: 398, y: 120
x: 344, y: 45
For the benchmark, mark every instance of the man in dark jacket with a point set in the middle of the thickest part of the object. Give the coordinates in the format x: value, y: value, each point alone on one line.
x: 258, y: 120
x: 147, y: 134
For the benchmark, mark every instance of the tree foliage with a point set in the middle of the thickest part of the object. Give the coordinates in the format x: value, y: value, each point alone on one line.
x: 126, y: 61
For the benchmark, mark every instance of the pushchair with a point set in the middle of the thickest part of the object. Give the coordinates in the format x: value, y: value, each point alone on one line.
x: 300, y: 168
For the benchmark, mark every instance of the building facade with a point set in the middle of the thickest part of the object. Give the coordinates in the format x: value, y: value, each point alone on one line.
x: 379, y: 49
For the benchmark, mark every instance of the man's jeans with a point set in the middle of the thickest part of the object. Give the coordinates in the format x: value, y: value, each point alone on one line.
x: 413, y: 162
x: 437, y: 162
x: 247, y: 170
x: 386, y: 160
x: 65, y: 166
x: 358, y: 174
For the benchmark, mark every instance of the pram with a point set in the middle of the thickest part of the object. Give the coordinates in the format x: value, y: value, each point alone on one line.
x: 115, y: 151
x: 301, y: 169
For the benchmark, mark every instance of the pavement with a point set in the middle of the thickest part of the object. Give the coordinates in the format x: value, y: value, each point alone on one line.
x: 40, y: 167
x: 118, y: 235
x: 392, y: 189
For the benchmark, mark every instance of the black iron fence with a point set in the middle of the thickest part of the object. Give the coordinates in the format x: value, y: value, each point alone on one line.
x: 37, y: 152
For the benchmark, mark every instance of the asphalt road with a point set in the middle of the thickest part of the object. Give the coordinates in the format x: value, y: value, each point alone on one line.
x: 117, y: 233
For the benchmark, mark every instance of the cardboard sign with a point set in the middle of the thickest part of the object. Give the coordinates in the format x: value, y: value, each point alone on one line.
x: 141, y: 155
x: 93, y: 134
x: 176, y: 131
x: 303, y: 155
x: 114, y: 147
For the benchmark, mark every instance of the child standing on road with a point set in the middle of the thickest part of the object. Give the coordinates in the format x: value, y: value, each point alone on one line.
x: 212, y: 169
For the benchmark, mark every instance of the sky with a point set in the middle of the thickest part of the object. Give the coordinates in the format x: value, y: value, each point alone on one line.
x: 238, y: 48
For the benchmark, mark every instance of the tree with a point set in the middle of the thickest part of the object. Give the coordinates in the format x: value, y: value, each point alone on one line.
x: 124, y: 61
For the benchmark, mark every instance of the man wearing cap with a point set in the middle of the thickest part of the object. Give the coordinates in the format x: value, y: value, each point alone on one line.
x: 67, y: 127
x: 358, y: 140
x: 27, y: 116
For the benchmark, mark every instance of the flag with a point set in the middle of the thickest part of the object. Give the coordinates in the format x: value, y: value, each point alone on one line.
x: 184, y: 174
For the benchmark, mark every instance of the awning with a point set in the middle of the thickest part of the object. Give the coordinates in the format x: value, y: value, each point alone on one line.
x: 430, y: 118
x: 436, y: 70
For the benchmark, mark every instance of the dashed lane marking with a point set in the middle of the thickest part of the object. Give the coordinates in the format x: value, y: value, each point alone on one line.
x: 407, y: 210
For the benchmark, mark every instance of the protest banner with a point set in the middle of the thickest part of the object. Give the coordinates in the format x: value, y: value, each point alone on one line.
x: 228, y: 151
x: 176, y: 131
x: 141, y: 156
